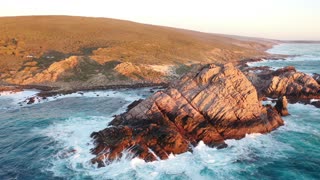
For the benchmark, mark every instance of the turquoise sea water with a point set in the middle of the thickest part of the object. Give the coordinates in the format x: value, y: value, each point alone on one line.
x: 50, y: 140
x: 305, y: 57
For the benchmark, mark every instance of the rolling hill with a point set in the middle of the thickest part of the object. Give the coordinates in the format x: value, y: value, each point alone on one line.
x: 75, y: 52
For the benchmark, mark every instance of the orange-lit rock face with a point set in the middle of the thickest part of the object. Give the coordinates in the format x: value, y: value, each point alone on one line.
x: 213, y: 104
x: 293, y: 84
x: 285, y: 82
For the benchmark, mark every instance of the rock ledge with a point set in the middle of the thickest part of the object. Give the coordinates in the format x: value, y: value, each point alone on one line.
x: 211, y: 105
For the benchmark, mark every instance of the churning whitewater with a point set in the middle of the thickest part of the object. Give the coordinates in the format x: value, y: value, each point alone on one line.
x: 51, y: 139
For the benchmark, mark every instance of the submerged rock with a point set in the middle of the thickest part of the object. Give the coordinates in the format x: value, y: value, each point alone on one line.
x: 211, y: 105
x: 31, y: 100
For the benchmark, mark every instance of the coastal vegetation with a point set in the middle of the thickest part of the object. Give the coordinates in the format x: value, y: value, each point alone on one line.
x: 30, y: 45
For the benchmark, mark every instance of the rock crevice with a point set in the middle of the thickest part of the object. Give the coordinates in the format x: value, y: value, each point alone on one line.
x: 215, y: 104
x: 285, y: 82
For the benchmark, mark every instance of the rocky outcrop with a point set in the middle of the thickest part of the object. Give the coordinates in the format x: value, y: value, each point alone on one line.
x: 211, y: 105
x: 64, y: 69
x: 316, y: 77
x: 140, y: 72
x: 289, y: 82
x: 285, y: 82
x: 281, y: 106
x: 316, y: 103
x: 81, y: 72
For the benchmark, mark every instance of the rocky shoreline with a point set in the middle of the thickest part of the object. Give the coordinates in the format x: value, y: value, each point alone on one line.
x: 211, y: 104
x: 48, y: 90
x: 259, y: 76
x: 287, y: 81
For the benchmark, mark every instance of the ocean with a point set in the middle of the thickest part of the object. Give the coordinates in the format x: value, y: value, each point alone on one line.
x: 305, y: 57
x: 51, y: 139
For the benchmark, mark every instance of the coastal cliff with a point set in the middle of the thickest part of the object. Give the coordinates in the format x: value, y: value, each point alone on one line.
x: 212, y: 104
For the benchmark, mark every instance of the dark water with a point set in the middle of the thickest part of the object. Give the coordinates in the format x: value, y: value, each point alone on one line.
x: 50, y: 140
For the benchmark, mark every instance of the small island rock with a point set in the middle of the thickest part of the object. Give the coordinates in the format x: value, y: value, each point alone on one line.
x: 211, y: 105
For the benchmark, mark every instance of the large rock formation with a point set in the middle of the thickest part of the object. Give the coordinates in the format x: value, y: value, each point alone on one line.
x: 285, y: 82
x: 212, y: 105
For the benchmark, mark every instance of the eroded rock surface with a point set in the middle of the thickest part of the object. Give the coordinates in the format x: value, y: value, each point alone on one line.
x: 211, y: 105
x: 285, y: 82
x: 289, y: 82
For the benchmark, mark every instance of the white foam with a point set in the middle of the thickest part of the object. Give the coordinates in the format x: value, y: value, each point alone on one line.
x: 299, y: 119
x: 20, y: 96
x: 136, y: 162
x: 253, y: 135
x: 105, y: 93
x: 23, y: 96
x: 222, y: 164
x: 74, y: 134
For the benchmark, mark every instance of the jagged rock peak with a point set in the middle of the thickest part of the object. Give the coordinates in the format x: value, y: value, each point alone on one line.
x: 216, y: 103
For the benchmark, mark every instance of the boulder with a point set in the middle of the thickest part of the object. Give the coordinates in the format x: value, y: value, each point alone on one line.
x: 31, y: 100
x: 285, y: 82
x: 284, y: 70
x: 281, y: 106
x: 316, y: 104
x: 316, y: 77
x: 294, y: 85
x: 210, y: 105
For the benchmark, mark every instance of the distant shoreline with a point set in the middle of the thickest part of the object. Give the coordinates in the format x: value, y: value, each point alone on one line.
x: 48, y: 91
x: 302, y: 41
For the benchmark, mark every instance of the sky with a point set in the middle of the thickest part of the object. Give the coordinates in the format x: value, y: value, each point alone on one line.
x: 274, y: 19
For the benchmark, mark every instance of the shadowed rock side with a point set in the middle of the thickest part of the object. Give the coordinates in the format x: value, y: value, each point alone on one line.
x: 212, y: 105
x: 316, y: 77
x: 281, y: 106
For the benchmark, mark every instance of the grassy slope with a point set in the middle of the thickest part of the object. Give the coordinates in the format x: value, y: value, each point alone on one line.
x: 107, y: 40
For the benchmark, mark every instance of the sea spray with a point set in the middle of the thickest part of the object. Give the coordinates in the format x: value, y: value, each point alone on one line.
x: 240, y: 157
x: 51, y: 140
x: 58, y: 144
